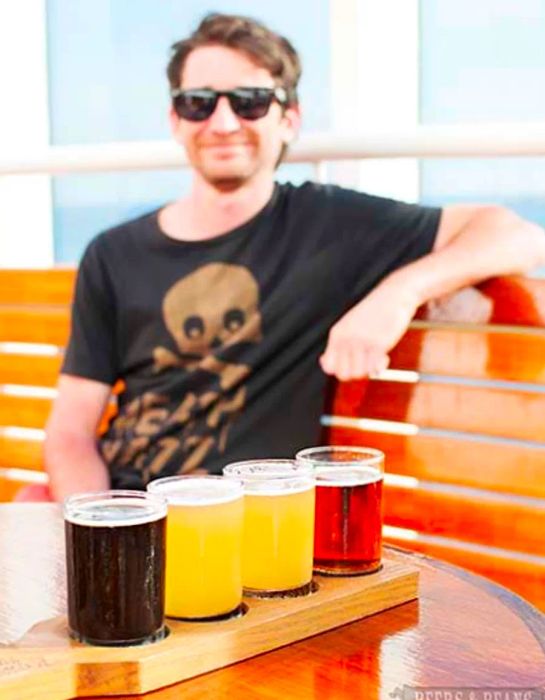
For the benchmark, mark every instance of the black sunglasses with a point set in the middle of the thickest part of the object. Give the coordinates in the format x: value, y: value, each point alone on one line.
x: 246, y: 102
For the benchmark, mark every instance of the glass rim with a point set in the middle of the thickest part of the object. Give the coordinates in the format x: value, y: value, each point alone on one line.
x: 350, y: 475
x: 370, y: 456
x: 234, y: 488
x: 83, y: 499
x: 297, y: 479
x: 297, y: 470
x: 282, y: 486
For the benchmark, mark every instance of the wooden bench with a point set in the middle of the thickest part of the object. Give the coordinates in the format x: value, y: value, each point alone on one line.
x: 461, y: 418
x: 34, y: 326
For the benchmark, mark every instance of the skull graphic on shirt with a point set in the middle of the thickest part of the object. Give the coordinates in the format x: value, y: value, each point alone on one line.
x: 213, y: 308
x: 210, y: 314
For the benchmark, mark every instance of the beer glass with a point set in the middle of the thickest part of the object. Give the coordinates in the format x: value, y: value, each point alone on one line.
x: 204, y: 542
x: 348, y: 531
x: 278, y: 526
x: 115, y: 565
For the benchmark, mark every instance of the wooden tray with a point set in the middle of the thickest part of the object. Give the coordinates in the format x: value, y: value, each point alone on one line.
x: 46, y: 664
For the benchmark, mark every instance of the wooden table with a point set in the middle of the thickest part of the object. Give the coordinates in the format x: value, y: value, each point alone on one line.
x: 464, y: 632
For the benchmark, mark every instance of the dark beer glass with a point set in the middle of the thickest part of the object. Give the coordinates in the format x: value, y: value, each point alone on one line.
x: 115, y: 565
x: 348, y: 525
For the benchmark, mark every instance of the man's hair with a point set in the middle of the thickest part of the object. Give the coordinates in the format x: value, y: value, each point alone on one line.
x: 263, y: 46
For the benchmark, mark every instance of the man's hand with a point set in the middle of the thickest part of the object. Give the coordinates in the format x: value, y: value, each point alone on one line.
x: 359, y: 342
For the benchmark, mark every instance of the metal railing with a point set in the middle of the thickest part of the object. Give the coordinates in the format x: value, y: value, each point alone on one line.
x: 470, y: 140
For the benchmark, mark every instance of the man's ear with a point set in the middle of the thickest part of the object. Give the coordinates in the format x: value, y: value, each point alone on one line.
x: 291, y: 121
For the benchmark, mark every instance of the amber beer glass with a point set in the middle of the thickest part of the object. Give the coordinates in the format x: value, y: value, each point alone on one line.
x: 278, y: 538
x: 115, y: 565
x: 204, y: 543
x: 348, y: 528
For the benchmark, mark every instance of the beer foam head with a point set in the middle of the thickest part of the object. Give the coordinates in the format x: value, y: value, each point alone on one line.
x: 197, y: 490
x: 347, y: 476
x: 114, y: 509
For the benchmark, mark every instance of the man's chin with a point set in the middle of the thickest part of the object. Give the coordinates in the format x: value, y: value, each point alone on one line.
x: 228, y: 184
x: 226, y: 181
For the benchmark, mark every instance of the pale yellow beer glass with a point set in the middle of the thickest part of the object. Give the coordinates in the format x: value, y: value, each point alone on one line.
x: 204, y: 544
x: 278, y: 538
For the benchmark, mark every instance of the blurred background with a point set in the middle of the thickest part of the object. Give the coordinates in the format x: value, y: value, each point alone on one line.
x: 91, y: 72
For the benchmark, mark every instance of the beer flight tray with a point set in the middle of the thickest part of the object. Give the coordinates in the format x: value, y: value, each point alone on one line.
x: 47, y: 665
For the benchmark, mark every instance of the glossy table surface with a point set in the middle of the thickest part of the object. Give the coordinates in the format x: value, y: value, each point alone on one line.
x: 464, y: 632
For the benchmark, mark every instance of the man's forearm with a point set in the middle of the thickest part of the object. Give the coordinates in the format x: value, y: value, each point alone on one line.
x: 490, y: 242
x: 495, y: 242
x: 74, y: 466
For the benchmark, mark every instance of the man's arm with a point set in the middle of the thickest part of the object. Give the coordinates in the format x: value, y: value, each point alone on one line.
x: 472, y: 244
x: 71, y: 456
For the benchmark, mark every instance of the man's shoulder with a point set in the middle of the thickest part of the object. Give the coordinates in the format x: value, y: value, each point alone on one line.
x: 317, y: 193
x: 309, y: 190
x: 116, y: 244
x: 329, y: 202
x: 126, y: 230
x: 351, y: 203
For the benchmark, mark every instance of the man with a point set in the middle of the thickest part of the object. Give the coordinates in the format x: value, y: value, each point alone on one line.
x: 223, y: 312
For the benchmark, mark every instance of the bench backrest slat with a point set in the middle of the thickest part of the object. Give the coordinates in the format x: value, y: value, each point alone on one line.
x: 484, y: 410
x: 524, y: 574
x: 467, y: 516
x: 42, y: 287
x: 34, y: 324
x: 480, y: 464
x: 33, y: 370
x: 482, y: 352
x: 20, y: 451
x: 515, y: 300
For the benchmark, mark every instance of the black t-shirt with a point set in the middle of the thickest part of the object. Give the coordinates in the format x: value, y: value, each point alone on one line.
x: 217, y: 341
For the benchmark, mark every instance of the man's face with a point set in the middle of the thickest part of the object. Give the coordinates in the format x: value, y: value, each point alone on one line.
x: 225, y: 149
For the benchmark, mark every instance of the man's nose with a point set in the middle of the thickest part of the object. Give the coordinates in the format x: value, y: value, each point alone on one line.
x: 224, y: 120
